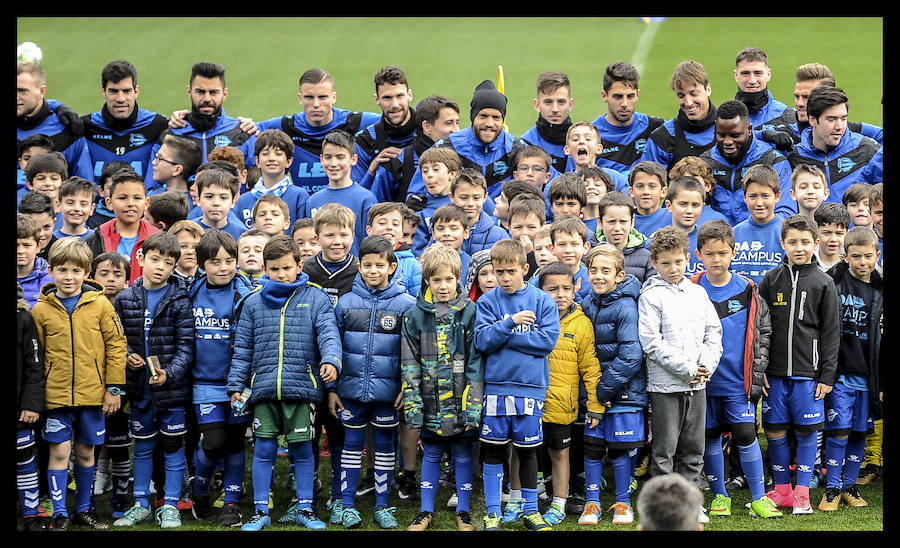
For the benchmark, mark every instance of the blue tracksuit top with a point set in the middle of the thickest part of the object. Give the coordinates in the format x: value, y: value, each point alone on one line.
x: 770, y: 116
x: 131, y: 145
x: 306, y: 169
x: 294, y: 196
x: 73, y: 147
x: 728, y: 195
x: 661, y: 145
x: 624, y: 146
x: 369, y: 321
x: 516, y: 355
x: 484, y: 234
x: 854, y: 157
x: 369, y: 136
x: 383, y: 184
x: 556, y: 151
x: 493, y: 160
x: 226, y: 132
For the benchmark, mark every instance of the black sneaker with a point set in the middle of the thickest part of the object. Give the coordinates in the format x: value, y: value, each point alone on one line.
x: 202, y: 507
x: 408, y: 486
x: 735, y: 483
x: 60, y: 523
x: 35, y: 523
x: 231, y: 515
x: 367, y: 485
x: 575, y: 504
x: 90, y: 519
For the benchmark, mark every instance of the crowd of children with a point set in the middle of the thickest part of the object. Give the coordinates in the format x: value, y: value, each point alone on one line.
x: 567, y: 317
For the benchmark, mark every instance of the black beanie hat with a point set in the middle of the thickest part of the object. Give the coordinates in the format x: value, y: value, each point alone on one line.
x: 487, y: 96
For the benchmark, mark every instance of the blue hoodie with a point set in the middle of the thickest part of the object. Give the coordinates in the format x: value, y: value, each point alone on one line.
x: 369, y: 321
x: 32, y: 283
x: 853, y: 160
x: 493, y: 160
x: 516, y: 355
x: 483, y: 234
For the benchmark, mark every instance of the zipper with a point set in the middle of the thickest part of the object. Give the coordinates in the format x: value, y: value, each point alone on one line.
x: 815, y: 354
x: 72, y: 335
x: 97, y: 367
x: 802, y: 301
x: 790, y: 336
x: 370, y: 341
x: 311, y: 376
x: 280, y: 349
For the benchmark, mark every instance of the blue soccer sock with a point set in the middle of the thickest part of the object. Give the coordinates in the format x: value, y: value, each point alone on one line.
x: 264, y: 453
x: 806, y: 457
x: 301, y: 454
x: 351, y: 463
x: 431, y: 474
x: 593, y: 473
x: 175, y: 468
x: 623, y: 469
x: 529, y: 500
x: 385, y: 459
x: 714, y: 465
x: 492, y: 476
x: 234, y: 476
x: 464, y: 470
x: 835, y: 451
x: 56, y: 481
x: 752, y: 464
x: 203, y: 471
x: 84, y: 487
x: 780, y: 455
x: 27, y: 484
x: 143, y: 470
x: 336, y: 455
x: 856, y: 448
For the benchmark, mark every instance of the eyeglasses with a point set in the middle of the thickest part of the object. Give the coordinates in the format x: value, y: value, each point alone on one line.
x: 158, y: 158
x: 532, y: 169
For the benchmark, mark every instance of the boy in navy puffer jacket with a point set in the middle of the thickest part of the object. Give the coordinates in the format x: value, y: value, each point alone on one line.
x: 369, y: 320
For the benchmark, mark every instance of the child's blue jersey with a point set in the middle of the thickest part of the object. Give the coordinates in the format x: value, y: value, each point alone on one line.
x: 695, y: 264
x: 233, y: 228
x: 306, y: 169
x: 758, y: 248
x: 295, y: 198
x: 516, y: 355
x: 355, y: 197
x: 732, y: 302
x: 648, y: 224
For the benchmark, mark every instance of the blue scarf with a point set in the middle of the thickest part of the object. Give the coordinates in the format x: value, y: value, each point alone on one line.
x: 259, y: 190
x: 275, y: 294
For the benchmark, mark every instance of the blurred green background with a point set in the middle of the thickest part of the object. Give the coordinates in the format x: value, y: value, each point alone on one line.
x: 264, y: 57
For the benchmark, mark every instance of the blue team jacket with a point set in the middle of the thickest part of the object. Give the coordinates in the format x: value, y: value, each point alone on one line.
x: 131, y: 145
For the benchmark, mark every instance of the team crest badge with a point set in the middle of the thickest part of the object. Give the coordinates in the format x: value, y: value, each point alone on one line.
x: 388, y: 322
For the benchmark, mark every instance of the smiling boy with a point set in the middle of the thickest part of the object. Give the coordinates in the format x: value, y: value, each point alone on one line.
x: 757, y: 237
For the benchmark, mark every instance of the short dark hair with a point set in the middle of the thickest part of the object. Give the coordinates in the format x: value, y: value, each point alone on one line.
x: 74, y: 185
x: 568, y: 224
x: 47, y: 162
x: 383, y: 208
x: 751, y: 53
x: 620, y: 72
x: 717, y: 229
x: 305, y: 222
x: 274, y: 138
x: 126, y: 176
x: 592, y: 172
x: 164, y: 243
x: 512, y: 188
x: 208, y: 70
x: 823, y: 98
x: 116, y: 259
x: 377, y: 244
x: 35, y: 140
x: 831, y: 212
x: 316, y: 76
x: 860, y: 235
x: 615, y: 198
x: 341, y: 139
x: 429, y: 108
x: 651, y: 168
x: 450, y: 212
x: 211, y: 241
x: 218, y: 177
x: 556, y: 268
x: 187, y: 153
x: 525, y: 204
x: 279, y: 246
x: 548, y: 82
x: 876, y: 195
x: 168, y: 207
x: 685, y: 184
x: 116, y: 71
x: 110, y: 169
x: 669, y: 238
x: 732, y: 109
x: 568, y: 185
x: 801, y: 223
x: 35, y: 203
x: 856, y: 192
x: 392, y: 75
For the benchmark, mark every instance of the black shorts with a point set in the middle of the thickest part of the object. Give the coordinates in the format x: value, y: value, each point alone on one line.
x: 557, y: 436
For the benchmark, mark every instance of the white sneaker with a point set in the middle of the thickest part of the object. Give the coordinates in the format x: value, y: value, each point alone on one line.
x: 452, y: 501
x: 623, y: 514
x: 102, y: 483
x: 703, y: 518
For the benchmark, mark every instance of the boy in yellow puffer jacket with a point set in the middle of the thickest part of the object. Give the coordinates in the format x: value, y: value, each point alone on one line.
x: 85, y: 349
x: 573, y: 359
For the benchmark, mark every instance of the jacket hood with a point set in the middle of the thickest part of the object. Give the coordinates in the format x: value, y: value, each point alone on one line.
x: 657, y: 280
x: 40, y: 269
x: 630, y: 287
x: 91, y: 288
x: 241, y: 283
x: 395, y: 287
x: 441, y: 310
x: 635, y: 239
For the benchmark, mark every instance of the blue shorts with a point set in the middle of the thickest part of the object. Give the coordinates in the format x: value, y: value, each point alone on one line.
x: 847, y: 410
x: 24, y: 438
x: 792, y: 401
x: 523, y: 430
x: 722, y: 411
x: 220, y: 412
x: 357, y: 414
x: 619, y: 430
x: 146, y: 421
x: 87, y: 423
x: 117, y: 434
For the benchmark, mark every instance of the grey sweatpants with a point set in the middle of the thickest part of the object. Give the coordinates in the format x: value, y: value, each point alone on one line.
x: 679, y: 433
